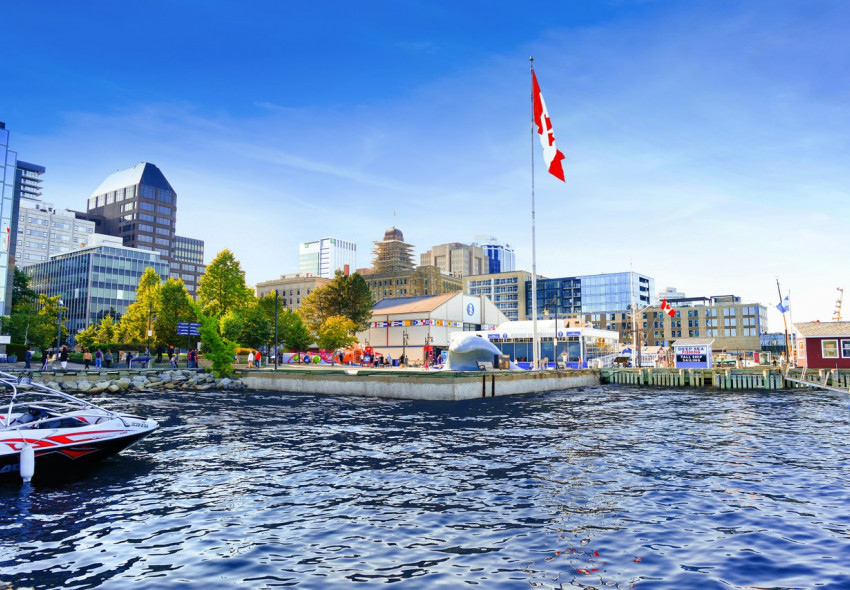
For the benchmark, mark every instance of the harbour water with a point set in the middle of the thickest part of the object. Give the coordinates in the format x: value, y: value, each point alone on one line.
x: 601, y: 487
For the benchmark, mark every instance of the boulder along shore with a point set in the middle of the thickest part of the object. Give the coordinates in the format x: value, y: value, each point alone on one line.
x: 95, y: 382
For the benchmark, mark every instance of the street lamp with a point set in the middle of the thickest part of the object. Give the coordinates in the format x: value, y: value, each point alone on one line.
x: 59, y: 325
x: 403, y: 347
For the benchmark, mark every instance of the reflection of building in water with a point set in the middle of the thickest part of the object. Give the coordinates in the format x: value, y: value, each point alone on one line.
x: 581, y: 344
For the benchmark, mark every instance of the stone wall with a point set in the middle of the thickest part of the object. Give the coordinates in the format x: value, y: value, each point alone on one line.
x: 94, y: 382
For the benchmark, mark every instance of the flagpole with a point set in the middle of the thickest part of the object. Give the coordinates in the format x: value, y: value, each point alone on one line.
x: 784, y: 321
x: 535, y: 340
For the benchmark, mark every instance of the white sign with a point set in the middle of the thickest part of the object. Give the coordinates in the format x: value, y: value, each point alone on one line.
x: 5, y: 339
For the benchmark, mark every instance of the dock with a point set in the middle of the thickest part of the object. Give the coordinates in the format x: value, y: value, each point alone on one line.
x: 746, y: 378
x: 415, y: 384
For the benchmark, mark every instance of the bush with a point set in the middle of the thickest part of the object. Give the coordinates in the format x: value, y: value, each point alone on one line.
x: 17, y: 350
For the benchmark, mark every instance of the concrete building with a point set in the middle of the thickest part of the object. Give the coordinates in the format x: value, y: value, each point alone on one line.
x: 95, y: 281
x: 322, y: 258
x: 456, y: 259
x: 393, y: 274
x: 140, y: 206
x: 735, y: 326
x: 505, y: 289
x: 43, y: 230
x: 501, y: 257
x: 291, y: 288
x: 407, y: 325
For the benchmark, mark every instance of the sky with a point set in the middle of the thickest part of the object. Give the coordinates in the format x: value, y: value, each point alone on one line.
x: 706, y: 143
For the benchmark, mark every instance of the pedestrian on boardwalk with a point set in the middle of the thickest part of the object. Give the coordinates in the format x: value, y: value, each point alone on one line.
x: 98, y: 359
x: 250, y: 359
x: 129, y: 359
x: 27, y: 358
x: 63, y: 357
x: 45, y: 358
x: 257, y: 358
x: 86, y: 358
x: 108, y: 358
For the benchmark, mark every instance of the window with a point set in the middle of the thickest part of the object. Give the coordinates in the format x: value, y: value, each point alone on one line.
x: 163, y: 209
x: 845, y: 349
x: 829, y: 349
x: 144, y: 206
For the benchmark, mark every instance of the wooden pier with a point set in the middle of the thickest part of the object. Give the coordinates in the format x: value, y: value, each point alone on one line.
x: 748, y: 378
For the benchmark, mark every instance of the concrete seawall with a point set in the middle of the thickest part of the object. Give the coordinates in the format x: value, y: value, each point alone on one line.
x: 447, y: 386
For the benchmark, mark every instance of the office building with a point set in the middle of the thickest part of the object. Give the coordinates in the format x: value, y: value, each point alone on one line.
x: 291, y: 288
x: 188, y: 262
x: 139, y: 205
x: 500, y: 257
x: 43, y: 231
x: 8, y: 176
x: 95, y: 281
x: 322, y: 258
x: 505, y: 289
x: 456, y: 259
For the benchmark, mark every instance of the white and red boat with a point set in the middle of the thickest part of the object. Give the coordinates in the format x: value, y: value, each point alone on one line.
x: 45, y: 433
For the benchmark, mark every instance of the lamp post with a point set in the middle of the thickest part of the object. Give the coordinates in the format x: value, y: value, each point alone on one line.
x: 150, y: 330
x: 59, y: 325
x: 404, y: 347
x: 276, y: 299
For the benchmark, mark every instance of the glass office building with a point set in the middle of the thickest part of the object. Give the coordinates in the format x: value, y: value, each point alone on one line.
x: 501, y: 257
x: 94, y: 282
x: 8, y: 173
x: 188, y: 262
x: 591, y: 293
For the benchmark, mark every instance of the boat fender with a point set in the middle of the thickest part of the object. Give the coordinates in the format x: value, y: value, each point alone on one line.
x: 27, y: 463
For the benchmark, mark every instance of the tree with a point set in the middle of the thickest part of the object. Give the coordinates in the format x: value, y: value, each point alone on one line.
x: 107, y: 332
x: 222, y: 287
x: 44, y: 328
x: 24, y: 310
x: 87, y: 338
x: 347, y: 296
x: 294, y: 335
x: 173, y: 305
x: 135, y: 321
x: 219, y: 351
x: 336, y: 332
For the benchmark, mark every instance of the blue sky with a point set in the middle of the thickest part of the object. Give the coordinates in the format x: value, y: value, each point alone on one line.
x: 706, y: 143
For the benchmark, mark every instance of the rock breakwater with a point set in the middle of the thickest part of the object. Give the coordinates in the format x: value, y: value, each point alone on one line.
x: 91, y: 382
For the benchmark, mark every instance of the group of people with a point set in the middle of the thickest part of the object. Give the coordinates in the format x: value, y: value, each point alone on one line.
x: 103, y: 359
x: 255, y: 359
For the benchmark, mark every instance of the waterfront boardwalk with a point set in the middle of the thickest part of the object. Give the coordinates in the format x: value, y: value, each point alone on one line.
x: 413, y: 384
x: 747, y: 378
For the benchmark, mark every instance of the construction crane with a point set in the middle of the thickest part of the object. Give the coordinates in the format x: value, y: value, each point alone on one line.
x: 836, y: 317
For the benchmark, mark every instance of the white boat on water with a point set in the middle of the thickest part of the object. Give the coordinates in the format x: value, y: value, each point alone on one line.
x: 46, y: 433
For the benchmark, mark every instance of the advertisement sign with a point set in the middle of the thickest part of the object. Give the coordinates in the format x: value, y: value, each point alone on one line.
x: 692, y: 356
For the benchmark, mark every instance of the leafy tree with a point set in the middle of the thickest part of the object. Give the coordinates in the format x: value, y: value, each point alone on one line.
x: 87, y: 338
x: 135, y: 321
x: 43, y: 330
x: 257, y: 330
x: 21, y: 292
x: 24, y: 310
x: 219, y: 351
x: 230, y: 325
x: 222, y: 286
x: 293, y: 333
x: 173, y: 305
x: 336, y: 332
x: 107, y: 331
x: 347, y: 296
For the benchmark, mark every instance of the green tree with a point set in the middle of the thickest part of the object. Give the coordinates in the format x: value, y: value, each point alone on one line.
x: 230, y: 325
x: 336, y: 332
x: 347, y: 296
x: 43, y: 330
x: 293, y: 333
x: 87, y: 338
x: 219, y: 351
x: 173, y: 305
x: 222, y: 287
x: 107, y: 331
x: 24, y: 310
x: 135, y: 321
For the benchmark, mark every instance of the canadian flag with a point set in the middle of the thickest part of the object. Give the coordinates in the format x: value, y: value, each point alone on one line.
x: 551, y: 153
x: 667, y: 308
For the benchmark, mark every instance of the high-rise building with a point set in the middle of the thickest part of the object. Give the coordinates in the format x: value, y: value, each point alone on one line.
x: 188, y: 261
x: 456, y: 259
x: 140, y: 206
x: 43, y: 231
x: 505, y: 289
x: 392, y: 254
x: 322, y: 258
x: 8, y: 175
x: 501, y: 257
x: 95, y: 281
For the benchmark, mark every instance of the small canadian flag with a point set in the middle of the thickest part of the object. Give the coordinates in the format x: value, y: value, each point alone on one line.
x: 667, y: 308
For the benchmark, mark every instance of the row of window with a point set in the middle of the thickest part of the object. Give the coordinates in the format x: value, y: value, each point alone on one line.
x: 830, y: 349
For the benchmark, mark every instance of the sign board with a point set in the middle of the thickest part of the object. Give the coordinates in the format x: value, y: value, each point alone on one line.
x: 188, y: 329
x: 5, y: 339
x: 692, y: 356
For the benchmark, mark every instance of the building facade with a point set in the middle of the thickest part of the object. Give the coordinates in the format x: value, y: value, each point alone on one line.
x: 393, y: 274
x: 139, y: 205
x: 291, y: 288
x: 8, y: 174
x: 505, y: 289
x: 188, y: 262
x: 456, y: 259
x: 322, y: 258
x: 734, y: 325
x: 95, y: 281
x: 43, y: 231
x: 823, y: 345
x: 500, y: 257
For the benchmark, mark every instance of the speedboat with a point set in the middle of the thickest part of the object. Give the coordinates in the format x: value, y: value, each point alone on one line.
x: 45, y: 433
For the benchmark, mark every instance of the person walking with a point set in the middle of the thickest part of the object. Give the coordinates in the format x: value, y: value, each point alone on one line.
x: 86, y: 358
x: 251, y: 359
x: 45, y: 358
x: 27, y: 358
x: 257, y: 359
x: 129, y: 359
x: 108, y: 358
x: 63, y: 357
x: 98, y: 359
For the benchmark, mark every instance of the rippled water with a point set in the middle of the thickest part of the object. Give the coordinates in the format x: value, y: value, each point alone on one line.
x: 598, y: 487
